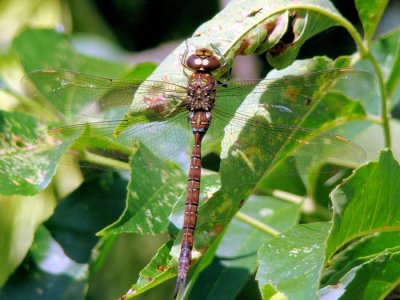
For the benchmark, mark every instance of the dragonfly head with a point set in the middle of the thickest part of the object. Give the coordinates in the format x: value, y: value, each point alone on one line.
x: 203, y: 60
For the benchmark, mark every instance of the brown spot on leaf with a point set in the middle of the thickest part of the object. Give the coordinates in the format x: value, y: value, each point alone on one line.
x: 157, y: 103
x: 241, y: 203
x: 203, y: 250
x: 217, y: 229
x: 279, y: 48
x: 292, y: 93
x: 161, y: 268
x: 269, y: 25
x: 130, y: 292
x: 254, y: 12
x: 288, y: 38
x: 244, y: 44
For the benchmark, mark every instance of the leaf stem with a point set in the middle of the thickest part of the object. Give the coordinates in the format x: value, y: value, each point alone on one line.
x: 105, y: 161
x: 289, y: 197
x: 374, y: 119
x: 256, y: 224
x: 384, y: 100
x: 365, y: 52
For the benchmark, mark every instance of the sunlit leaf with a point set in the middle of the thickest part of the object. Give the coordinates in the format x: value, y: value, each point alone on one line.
x: 153, y: 190
x: 367, y: 202
x: 370, y: 13
x: 290, y: 263
x: 27, y: 161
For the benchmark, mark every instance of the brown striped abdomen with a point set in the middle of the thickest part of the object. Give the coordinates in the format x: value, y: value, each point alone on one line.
x: 200, y: 122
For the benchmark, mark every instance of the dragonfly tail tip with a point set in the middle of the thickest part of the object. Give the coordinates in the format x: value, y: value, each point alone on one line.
x: 180, y: 282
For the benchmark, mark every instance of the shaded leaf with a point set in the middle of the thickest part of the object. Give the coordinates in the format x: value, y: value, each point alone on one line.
x: 291, y: 263
x: 46, y: 272
x: 20, y: 218
x: 366, y: 202
x: 374, y: 279
x: 386, y: 49
x: 95, y: 204
x: 370, y: 13
x: 156, y: 272
x: 15, y: 17
x: 48, y: 49
x: 365, y: 250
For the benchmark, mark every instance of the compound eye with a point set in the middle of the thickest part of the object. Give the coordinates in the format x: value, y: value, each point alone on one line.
x: 211, y: 63
x: 194, y: 62
x: 203, y: 60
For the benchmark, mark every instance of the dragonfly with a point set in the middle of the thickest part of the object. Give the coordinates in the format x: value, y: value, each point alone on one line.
x: 274, y: 108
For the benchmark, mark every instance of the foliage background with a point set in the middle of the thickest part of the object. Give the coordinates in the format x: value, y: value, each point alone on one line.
x: 128, y: 32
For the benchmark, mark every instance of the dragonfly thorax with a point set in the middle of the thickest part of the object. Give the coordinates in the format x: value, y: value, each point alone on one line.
x: 201, y: 92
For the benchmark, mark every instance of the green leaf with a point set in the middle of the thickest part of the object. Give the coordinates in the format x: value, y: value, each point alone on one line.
x: 20, y: 217
x: 366, y: 202
x: 236, y: 259
x: 367, y: 250
x: 154, y: 188
x: 156, y: 272
x: 27, y: 160
x: 46, y: 272
x: 78, y: 217
x: 386, y: 49
x: 290, y: 263
x: 370, y: 13
x: 48, y: 49
x: 36, y: 156
x: 374, y: 279
x: 14, y: 17
x: 164, y: 264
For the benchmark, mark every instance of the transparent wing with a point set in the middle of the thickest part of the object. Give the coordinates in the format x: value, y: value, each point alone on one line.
x: 272, y: 116
x: 95, y: 106
x: 292, y: 96
x: 72, y: 93
x: 275, y: 108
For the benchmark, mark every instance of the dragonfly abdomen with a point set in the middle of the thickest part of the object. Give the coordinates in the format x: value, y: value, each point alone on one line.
x: 200, y: 121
